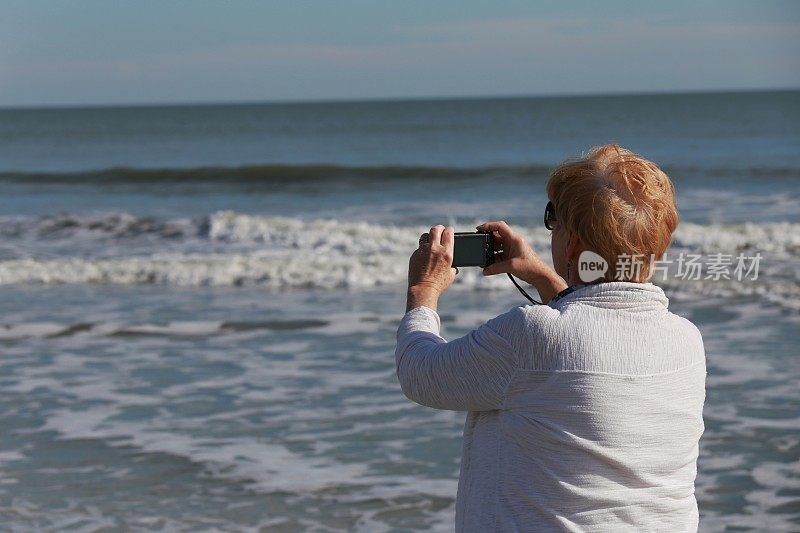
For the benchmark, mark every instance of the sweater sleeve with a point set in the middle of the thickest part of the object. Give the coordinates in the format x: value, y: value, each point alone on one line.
x: 466, y: 374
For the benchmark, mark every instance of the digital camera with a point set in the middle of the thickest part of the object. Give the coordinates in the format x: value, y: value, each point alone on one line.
x: 473, y: 249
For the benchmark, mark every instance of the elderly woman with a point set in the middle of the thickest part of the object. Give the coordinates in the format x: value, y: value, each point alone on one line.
x: 584, y: 413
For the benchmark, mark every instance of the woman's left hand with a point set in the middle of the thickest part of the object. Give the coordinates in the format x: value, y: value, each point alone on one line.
x: 430, y: 266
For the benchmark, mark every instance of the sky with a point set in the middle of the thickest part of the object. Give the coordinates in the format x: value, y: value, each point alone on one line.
x: 99, y: 52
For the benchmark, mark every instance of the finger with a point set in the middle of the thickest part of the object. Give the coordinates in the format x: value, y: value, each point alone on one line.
x: 498, y: 239
x: 499, y: 226
x: 424, y: 239
x: 449, y: 239
x: 491, y: 225
x: 436, y: 234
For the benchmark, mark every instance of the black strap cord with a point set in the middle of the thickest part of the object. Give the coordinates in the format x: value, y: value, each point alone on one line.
x: 525, y: 294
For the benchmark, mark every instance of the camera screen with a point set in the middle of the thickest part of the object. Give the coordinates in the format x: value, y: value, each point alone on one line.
x: 470, y: 249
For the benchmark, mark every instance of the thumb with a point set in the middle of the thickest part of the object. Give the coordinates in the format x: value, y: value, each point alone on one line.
x: 497, y: 268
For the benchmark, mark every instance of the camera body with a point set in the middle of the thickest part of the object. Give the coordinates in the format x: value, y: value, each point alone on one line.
x: 473, y: 249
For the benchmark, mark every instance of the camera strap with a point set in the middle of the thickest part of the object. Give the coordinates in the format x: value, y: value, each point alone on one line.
x: 525, y: 294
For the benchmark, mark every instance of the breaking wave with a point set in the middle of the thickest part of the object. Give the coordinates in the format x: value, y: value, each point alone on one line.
x: 272, y: 175
x: 236, y: 249
x: 284, y: 175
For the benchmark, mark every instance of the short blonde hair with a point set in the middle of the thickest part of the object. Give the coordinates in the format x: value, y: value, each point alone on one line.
x: 619, y: 204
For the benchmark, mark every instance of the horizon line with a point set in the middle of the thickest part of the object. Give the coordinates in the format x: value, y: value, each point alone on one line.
x: 388, y: 99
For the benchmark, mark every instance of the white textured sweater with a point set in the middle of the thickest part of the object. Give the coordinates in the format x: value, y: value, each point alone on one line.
x: 584, y: 414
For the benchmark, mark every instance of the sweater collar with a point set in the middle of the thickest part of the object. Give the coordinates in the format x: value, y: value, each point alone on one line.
x: 614, y: 295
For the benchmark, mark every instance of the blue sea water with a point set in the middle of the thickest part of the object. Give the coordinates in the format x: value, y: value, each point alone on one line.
x: 199, y: 302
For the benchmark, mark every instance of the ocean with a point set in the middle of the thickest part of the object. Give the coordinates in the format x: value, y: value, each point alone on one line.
x: 199, y: 303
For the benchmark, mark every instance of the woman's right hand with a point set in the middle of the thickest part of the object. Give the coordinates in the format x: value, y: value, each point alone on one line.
x: 517, y: 257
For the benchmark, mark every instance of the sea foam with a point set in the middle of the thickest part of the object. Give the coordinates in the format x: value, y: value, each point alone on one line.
x: 228, y: 248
